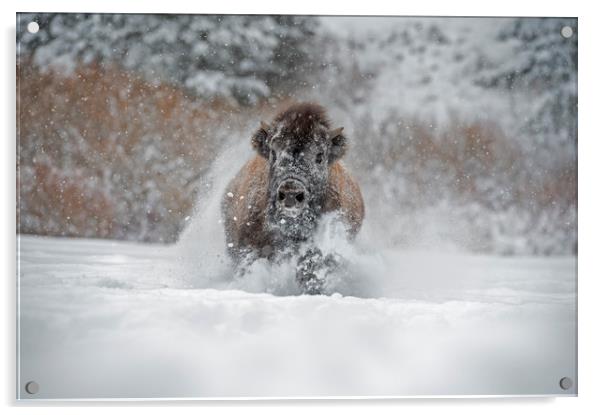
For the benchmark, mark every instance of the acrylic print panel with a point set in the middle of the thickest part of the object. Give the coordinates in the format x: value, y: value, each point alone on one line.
x: 189, y: 226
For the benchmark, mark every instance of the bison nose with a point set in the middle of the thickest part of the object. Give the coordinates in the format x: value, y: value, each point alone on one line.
x: 291, y: 194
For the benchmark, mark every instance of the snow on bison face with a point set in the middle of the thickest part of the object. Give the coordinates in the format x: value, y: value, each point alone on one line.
x: 300, y: 146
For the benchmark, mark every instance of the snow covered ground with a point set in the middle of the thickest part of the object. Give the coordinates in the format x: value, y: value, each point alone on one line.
x: 102, y: 319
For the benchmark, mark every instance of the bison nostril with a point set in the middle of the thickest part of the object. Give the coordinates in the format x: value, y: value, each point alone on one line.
x: 291, y: 194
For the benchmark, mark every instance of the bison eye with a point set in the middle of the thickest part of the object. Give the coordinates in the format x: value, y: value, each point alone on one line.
x: 319, y: 158
x: 281, y: 195
x: 273, y: 154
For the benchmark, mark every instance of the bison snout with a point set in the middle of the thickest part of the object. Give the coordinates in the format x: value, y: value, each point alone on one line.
x: 292, y: 195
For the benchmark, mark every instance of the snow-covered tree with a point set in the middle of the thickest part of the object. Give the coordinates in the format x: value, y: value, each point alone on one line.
x: 243, y: 58
x: 544, y: 65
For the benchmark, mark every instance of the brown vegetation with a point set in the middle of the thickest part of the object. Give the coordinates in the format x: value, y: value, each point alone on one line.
x: 104, y: 153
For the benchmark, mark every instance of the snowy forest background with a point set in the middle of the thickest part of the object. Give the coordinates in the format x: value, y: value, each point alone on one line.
x: 463, y: 131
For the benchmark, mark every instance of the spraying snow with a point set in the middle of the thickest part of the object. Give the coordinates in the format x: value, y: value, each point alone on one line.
x: 205, y: 263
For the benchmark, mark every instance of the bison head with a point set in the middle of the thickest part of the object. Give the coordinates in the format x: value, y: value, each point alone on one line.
x: 299, y: 146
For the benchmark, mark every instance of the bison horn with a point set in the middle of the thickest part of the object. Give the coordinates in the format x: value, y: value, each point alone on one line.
x: 334, y: 133
x: 264, y: 126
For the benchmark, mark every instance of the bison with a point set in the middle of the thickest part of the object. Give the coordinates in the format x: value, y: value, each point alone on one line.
x: 272, y: 206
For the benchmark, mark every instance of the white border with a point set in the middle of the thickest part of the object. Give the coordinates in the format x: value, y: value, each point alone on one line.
x: 590, y: 207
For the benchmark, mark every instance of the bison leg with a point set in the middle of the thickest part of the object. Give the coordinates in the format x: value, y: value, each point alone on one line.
x: 243, y: 260
x: 313, y: 268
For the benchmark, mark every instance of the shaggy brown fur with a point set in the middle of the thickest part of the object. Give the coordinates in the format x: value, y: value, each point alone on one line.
x: 246, y: 200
